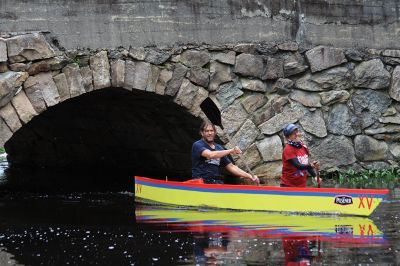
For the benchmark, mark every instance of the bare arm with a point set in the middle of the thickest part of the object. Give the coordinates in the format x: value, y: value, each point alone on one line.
x: 219, y: 154
x: 236, y: 171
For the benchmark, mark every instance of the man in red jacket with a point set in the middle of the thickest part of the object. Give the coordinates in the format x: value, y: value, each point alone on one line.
x: 295, y: 156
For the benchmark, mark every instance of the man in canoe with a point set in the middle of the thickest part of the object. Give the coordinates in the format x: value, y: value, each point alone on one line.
x: 208, y: 156
x: 295, y: 163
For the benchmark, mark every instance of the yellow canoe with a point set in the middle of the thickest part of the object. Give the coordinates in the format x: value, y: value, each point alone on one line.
x: 360, y: 202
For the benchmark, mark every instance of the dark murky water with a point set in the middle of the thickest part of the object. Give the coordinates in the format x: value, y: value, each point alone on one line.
x: 105, y: 228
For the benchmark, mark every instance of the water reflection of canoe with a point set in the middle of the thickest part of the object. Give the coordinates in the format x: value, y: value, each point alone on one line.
x: 360, y: 202
x: 340, y: 229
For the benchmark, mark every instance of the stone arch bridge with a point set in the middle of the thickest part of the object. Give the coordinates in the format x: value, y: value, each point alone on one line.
x: 139, y: 107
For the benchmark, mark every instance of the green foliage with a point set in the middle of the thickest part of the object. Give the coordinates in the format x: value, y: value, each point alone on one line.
x: 77, y: 61
x: 388, y: 178
x: 2, y: 150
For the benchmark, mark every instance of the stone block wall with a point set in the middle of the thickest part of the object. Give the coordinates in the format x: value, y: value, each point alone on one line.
x: 346, y: 101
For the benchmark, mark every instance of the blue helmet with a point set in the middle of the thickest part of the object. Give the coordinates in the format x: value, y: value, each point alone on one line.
x: 289, y: 129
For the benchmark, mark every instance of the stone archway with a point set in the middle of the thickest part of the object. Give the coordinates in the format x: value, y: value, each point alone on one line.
x: 345, y: 100
x: 147, y: 117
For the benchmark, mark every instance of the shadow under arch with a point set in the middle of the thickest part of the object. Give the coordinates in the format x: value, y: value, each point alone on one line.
x: 102, y: 138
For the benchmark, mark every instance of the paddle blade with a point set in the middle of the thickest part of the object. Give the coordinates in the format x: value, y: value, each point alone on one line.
x: 212, y: 112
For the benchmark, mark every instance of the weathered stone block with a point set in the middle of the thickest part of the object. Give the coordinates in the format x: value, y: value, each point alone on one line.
x: 233, y: 117
x: 273, y: 107
x: 87, y: 78
x: 254, y: 101
x: 394, y: 90
x: 282, y: 86
x: 157, y: 57
x: 383, y: 129
x: 219, y: 74
x: 288, y: 46
x: 199, y: 76
x: 23, y: 107
x: 323, y: 57
x: 391, y: 111
x: 334, y: 151
x: 117, y: 73
x: 331, y: 97
x: 313, y: 123
x: 392, y: 61
x: 390, y: 119
x: 268, y: 171
x: 355, y: 54
x: 369, y: 105
x: 266, y: 48
x: 395, y: 150
x: 342, y: 121
x: 245, y: 136
x: 369, y: 149
x: 175, y: 82
x: 251, y: 156
x: 193, y: 58
x: 153, y: 78
x: 3, y: 67
x: 201, y: 95
x: 41, y: 91
x: 5, y: 132
x: 28, y: 47
x: 226, y: 58
x: 249, y: 65
x: 391, y: 53
x: 372, y: 75
x: 11, y: 118
x: 253, y: 85
x: 74, y: 80
x: 277, y: 122
x: 101, y: 70
x: 9, y: 85
x: 186, y: 94
x: 136, y: 75
x: 19, y: 67
x: 163, y: 78
x: 62, y: 86
x: 270, y: 148
x: 331, y: 79
x: 248, y: 48
x: 228, y: 92
x: 274, y: 69
x: 137, y: 53
x: 306, y: 98
x: 3, y: 50
x: 46, y: 65
x: 294, y: 63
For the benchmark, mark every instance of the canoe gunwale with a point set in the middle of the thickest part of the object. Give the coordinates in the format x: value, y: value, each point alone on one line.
x: 254, y: 189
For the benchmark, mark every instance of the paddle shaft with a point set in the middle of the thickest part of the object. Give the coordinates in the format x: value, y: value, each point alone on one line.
x: 318, y: 180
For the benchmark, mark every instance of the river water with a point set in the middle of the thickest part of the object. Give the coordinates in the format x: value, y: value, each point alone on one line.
x: 106, y: 227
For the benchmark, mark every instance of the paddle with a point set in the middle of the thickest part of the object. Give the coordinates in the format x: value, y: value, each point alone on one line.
x: 212, y: 112
x: 317, y: 174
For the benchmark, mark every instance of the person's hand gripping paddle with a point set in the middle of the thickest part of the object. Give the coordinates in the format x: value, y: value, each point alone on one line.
x: 316, y: 165
x: 213, y: 114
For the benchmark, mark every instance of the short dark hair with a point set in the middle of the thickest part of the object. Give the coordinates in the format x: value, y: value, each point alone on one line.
x: 206, y: 124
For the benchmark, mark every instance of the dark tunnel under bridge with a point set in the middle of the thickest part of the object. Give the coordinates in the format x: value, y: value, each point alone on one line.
x: 107, y: 134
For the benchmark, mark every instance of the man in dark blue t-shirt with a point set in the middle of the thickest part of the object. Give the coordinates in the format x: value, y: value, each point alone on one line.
x: 208, y: 156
